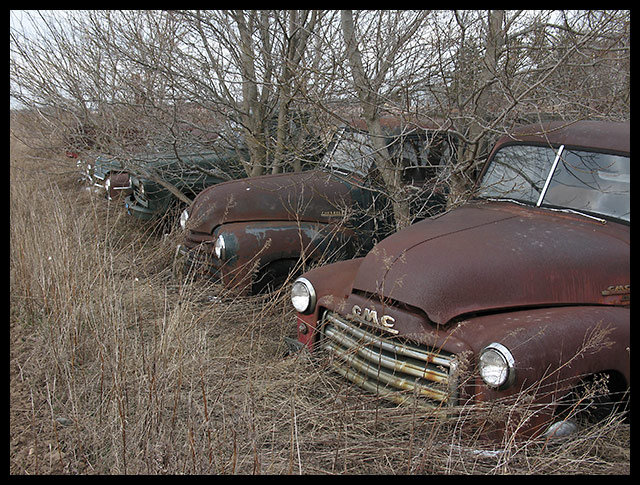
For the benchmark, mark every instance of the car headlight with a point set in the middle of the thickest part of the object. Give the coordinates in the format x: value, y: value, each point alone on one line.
x: 184, y: 217
x: 497, y: 366
x: 303, y: 296
x: 220, y: 247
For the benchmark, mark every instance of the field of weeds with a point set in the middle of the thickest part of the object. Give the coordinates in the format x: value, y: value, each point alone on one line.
x: 118, y: 368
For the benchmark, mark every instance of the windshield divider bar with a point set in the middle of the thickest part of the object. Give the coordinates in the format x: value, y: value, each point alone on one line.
x: 548, y: 181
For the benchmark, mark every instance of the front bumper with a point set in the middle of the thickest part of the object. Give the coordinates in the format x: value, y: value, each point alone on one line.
x: 146, y: 202
x: 119, y: 185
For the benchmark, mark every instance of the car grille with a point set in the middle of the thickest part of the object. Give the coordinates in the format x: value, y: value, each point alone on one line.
x: 403, y: 372
x: 139, y: 197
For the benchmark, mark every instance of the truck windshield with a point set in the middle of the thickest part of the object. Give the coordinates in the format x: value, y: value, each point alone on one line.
x: 585, y: 181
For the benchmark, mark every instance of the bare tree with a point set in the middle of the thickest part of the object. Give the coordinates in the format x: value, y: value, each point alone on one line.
x: 134, y: 81
x: 255, y: 58
x: 295, y: 34
x: 369, y: 84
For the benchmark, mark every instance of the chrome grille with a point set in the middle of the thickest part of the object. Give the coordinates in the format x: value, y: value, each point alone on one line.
x: 138, y: 196
x: 396, y: 370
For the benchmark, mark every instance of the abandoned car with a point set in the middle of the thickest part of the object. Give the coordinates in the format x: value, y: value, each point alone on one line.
x: 523, y: 290
x: 161, y: 182
x: 251, y: 234
x: 113, y: 176
x: 105, y: 174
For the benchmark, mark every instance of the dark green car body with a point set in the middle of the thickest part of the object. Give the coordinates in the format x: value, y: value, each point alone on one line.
x: 161, y: 181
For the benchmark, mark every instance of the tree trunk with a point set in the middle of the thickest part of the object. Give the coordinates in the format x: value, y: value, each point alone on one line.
x: 369, y: 101
x: 462, y: 177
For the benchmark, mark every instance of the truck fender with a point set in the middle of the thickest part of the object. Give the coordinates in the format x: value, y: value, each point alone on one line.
x: 332, y: 284
x: 556, y: 348
x: 254, y: 246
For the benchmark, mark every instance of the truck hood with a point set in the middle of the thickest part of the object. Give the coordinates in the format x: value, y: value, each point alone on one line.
x: 498, y: 255
x: 312, y: 196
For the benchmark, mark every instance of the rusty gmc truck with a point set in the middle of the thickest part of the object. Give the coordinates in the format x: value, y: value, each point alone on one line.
x: 522, y: 290
x: 251, y: 234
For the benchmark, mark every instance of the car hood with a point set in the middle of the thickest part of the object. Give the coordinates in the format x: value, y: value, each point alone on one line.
x: 224, y: 164
x: 499, y: 255
x: 312, y: 196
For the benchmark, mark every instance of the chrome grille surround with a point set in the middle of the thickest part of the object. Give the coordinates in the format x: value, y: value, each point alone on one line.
x: 403, y: 372
x: 138, y: 196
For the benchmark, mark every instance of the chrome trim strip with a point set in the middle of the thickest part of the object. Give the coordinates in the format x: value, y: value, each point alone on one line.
x: 549, y: 176
x: 388, y: 362
x: 430, y: 357
x: 381, y: 377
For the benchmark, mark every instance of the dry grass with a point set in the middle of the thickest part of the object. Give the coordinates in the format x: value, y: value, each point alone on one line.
x: 118, y: 368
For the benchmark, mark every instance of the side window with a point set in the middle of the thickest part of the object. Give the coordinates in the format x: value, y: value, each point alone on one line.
x: 413, y: 160
x: 425, y: 157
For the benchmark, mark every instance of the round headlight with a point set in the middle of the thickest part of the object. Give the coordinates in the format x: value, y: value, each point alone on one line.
x: 303, y: 296
x: 497, y: 366
x: 220, y: 247
x: 184, y: 217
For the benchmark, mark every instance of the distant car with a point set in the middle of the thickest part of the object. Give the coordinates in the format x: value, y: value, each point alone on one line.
x: 113, y: 177
x: 106, y: 173
x: 155, y: 178
x: 507, y: 293
x: 251, y: 234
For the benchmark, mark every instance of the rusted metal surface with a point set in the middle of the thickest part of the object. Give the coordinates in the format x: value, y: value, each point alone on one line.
x: 499, y: 255
x: 272, y: 218
x: 550, y: 286
x: 262, y: 243
x: 119, y: 185
x: 306, y: 196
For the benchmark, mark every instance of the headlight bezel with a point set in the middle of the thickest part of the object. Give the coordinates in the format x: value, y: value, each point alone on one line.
x: 499, y: 374
x: 301, y: 290
x: 184, y: 218
x: 220, y: 247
